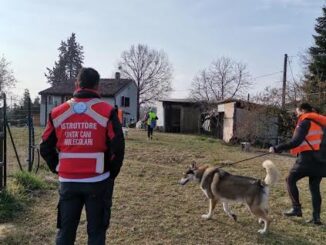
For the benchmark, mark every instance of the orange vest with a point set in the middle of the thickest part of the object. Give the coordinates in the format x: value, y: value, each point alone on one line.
x: 81, y: 129
x: 120, y: 116
x: 315, y: 133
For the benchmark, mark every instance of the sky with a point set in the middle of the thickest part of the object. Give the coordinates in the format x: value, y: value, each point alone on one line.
x: 193, y: 33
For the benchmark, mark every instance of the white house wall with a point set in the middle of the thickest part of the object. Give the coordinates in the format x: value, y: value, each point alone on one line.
x: 128, y: 91
x: 109, y: 100
x: 160, y: 114
x: 43, y: 117
x: 57, y: 101
x: 131, y: 92
x: 228, y: 123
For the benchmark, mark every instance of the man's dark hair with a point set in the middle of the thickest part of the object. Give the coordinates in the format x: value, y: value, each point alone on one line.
x: 306, y: 106
x: 88, y: 78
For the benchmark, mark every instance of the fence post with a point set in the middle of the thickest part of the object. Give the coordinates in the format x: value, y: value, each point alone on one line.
x: 29, y: 121
x: 1, y: 161
x: 3, y: 156
x: 4, y: 141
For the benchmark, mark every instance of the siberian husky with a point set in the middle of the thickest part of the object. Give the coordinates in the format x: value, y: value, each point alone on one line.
x: 219, y: 185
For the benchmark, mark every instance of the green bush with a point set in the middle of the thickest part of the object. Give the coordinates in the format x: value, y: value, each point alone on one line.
x: 29, y: 181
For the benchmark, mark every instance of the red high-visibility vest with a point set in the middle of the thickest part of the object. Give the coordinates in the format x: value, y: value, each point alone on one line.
x: 81, y: 130
x: 315, y: 133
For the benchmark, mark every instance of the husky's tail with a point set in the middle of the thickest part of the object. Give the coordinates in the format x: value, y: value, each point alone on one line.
x: 272, y: 174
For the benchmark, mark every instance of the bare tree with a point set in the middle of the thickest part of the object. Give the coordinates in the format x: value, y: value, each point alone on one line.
x: 224, y: 79
x: 150, y: 69
x: 269, y: 96
x: 7, y: 79
x: 203, y: 87
x: 273, y: 96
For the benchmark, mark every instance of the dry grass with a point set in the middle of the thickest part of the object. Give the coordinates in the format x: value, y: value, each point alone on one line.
x: 151, y: 208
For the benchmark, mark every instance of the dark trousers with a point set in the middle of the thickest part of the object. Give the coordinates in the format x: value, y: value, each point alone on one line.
x: 97, y: 198
x: 314, y: 186
x: 149, y: 131
x: 306, y: 166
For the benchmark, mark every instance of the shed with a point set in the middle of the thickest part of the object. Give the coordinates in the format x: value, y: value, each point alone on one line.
x: 178, y: 115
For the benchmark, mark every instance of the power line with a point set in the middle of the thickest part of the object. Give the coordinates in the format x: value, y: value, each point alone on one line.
x: 267, y: 75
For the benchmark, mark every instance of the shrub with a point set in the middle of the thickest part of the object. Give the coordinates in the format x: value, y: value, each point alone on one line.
x: 29, y: 181
x: 9, y: 205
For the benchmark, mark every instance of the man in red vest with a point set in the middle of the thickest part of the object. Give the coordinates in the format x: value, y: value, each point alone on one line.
x: 309, y: 145
x: 83, y: 143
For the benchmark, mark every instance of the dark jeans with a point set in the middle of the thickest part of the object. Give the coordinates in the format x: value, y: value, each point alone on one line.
x: 97, y: 198
x: 149, y: 131
x: 306, y: 165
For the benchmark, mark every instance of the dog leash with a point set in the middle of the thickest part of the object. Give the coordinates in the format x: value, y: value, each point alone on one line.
x: 247, y: 159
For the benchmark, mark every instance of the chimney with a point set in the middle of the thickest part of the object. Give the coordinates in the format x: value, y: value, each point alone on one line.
x: 117, y: 75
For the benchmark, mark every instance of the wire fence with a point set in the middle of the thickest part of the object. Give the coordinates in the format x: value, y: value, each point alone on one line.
x: 18, y: 147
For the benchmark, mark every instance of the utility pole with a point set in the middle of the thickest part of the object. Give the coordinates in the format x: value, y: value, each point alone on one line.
x: 284, y: 80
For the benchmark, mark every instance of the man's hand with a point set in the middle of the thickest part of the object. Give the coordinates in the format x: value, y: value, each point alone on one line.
x: 271, y: 149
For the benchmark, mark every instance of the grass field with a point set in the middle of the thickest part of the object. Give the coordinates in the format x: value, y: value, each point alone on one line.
x: 150, y: 207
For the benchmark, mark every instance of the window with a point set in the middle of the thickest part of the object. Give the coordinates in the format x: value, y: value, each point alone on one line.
x: 125, y: 101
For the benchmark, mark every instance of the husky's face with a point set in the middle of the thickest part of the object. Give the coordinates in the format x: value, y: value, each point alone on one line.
x: 189, y: 175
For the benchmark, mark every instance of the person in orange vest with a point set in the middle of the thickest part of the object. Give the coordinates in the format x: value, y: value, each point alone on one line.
x: 83, y: 143
x: 119, y: 113
x: 309, y: 145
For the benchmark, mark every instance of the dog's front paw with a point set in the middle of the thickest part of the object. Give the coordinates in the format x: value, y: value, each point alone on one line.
x: 206, y: 216
x: 262, y: 231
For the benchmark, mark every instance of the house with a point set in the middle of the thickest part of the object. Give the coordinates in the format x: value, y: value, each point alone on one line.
x: 227, y: 119
x: 178, y: 115
x: 115, y: 91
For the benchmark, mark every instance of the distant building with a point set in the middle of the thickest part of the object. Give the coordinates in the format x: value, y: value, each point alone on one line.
x: 234, y: 119
x: 178, y: 115
x: 116, y: 91
x: 228, y: 119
